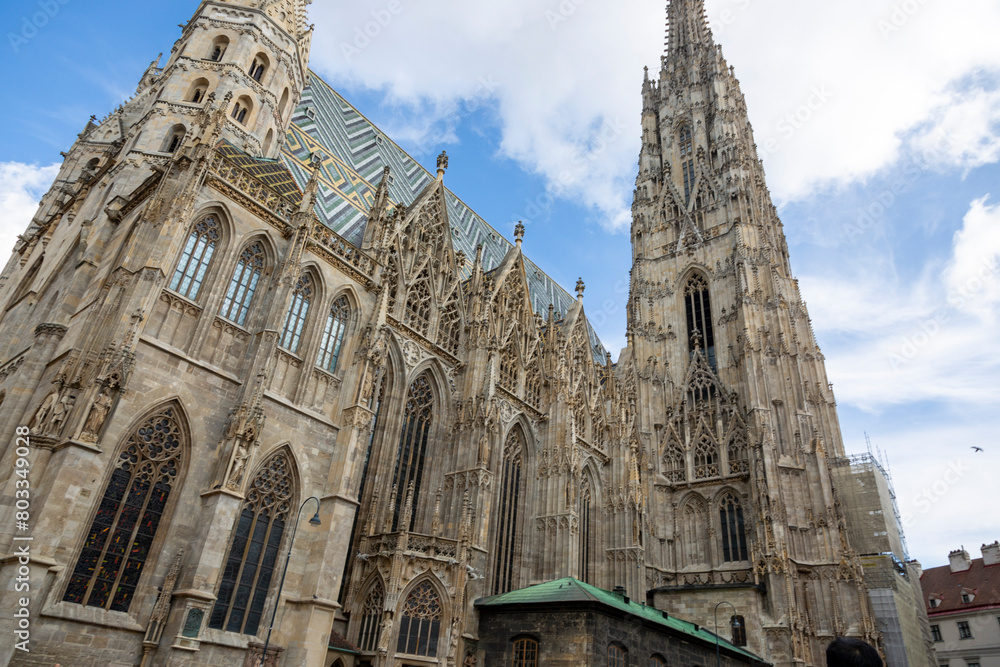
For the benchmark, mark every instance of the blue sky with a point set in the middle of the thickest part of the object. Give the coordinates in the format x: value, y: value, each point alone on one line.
x: 878, y: 122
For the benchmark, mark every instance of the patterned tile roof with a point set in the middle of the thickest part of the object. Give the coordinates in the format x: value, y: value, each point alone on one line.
x: 570, y: 590
x: 272, y: 172
x: 352, y: 154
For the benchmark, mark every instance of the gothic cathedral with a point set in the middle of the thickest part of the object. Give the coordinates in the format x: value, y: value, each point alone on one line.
x: 241, y: 305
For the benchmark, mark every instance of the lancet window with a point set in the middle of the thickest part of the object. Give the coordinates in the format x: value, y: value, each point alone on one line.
x: 734, y: 538
x: 253, y: 549
x: 420, y: 626
x: 418, y: 305
x: 505, y: 547
x: 687, y: 161
x: 508, y: 368
x: 371, y: 618
x: 243, y: 285
x: 122, y: 532
x: 298, y: 311
x: 699, y: 318
x: 586, y: 536
x: 333, y: 334
x: 418, y: 414
x: 706, y: 458
x: 197, y: 255
x: 694, y: 542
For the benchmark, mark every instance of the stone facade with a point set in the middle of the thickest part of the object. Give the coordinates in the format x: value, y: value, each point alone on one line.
x: 201, y: 359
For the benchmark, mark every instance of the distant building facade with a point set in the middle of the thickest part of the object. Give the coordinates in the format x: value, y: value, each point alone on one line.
x: 963, y: 605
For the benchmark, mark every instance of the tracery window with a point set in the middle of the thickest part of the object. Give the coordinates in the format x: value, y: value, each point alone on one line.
x: 236, y: 305
x: 616, y: 656
x: 706, y: 458
x: 418, y: 305
x: 371, y: 619
x: 694, y: 542
x: 586, y: 525
x: 508, y: 368
x: 253, y: 550
x: 505, y: 548
x: 333, y: 334
x: 737, y: 453
x: 699, y: 318
x: 674, y: 464
x: 298, y: 311
x: 687, y: 160
x: 121, y: 534
x: 734, y: 538
x: 525, y: 652
x: 418, y: 414
x: 197, y: 255
x: 450, y: 328
x: 420, y: 626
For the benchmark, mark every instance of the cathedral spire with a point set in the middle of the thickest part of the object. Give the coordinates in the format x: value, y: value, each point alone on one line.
x: 687, y: 26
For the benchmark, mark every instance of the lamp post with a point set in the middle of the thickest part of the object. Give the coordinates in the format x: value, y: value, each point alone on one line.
x: 313, y: 521
x: 717, y: 660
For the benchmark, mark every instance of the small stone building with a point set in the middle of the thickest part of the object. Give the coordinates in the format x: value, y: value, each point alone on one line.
x: 569, y: 623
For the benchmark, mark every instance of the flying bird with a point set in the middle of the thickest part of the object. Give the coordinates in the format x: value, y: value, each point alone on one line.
x: 977, y: 449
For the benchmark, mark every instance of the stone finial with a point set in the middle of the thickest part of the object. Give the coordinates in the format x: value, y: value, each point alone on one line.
x: 696, y: 339
x: 519, y: 233
x: 580, y: 287
x: 442, y: 163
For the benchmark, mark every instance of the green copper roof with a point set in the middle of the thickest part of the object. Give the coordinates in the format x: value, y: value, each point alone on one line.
x: 573, y: 590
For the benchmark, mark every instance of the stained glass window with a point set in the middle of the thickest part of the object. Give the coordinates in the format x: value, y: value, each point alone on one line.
x: 417, y: 416
x: 420, y: 626
x: 195, y: 259
x: 525, y: 652
x: 734, y: 538
x: 254, y: 549
x: 371, y: 619
x: 243, y: 285
x: 333, y: 335
x: 505, y: 547
x: 121, y: 534
x: 298, y: 311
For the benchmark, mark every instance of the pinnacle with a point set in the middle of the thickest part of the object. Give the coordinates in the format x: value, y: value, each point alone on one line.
x: 687, y: 27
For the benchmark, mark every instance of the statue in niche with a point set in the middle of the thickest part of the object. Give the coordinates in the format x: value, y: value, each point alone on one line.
x: 470, y: 660
x: 44, y: 411
x: 97, y: 416
x: 376, y: 359
x: 239, y: 466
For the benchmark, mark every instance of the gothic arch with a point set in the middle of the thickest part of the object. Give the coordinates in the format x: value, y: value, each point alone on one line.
x: 694, y: 268
x: 530, y: 437
x: 300, y: 320
x: 693, y: 525
x: 443, y: 612
x: 369, y: 610
x: 198, y: 261
x: 509, y: 519
x: 149, y: 465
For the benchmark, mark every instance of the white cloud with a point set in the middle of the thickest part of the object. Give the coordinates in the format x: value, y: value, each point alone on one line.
x: 562, y: 72
x: 930, y: 339
x: 21, y: 187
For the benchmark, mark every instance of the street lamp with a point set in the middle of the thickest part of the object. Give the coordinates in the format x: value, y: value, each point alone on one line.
x: 736, y: 624
x: 313, y: 521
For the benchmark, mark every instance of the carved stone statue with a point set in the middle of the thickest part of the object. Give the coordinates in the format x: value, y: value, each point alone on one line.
x: 59, y: 413
x: 239, y: 466
x: 97, y: 416
x: 41, y: 417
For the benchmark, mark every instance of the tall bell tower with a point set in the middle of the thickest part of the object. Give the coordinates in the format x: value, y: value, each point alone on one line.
x: 737, y: 414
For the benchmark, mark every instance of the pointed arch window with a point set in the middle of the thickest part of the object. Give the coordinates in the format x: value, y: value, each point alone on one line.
x: 333, y: 334
x: 371, y: 618
x: 298, y: 311
x: 420, y: 625
x: 737, y: 454
x: 525, y: 652
x: 418, y: 413
x: 508, y: 368
x: 698, y: 308
x: 506, y: 545
x: 418, y: 305
x: 674, y: 464
x: 706, y: 458
x: 253, y: 549
x: 243, y: 285
x: 197, y: 255
x: 686, y: 149
x: 694, y: 543
x: 734, y: 538
x: 586, y: 530
x: 132, y: 506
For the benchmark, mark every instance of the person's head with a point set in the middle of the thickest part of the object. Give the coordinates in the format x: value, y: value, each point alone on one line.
x: 850, y: 652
